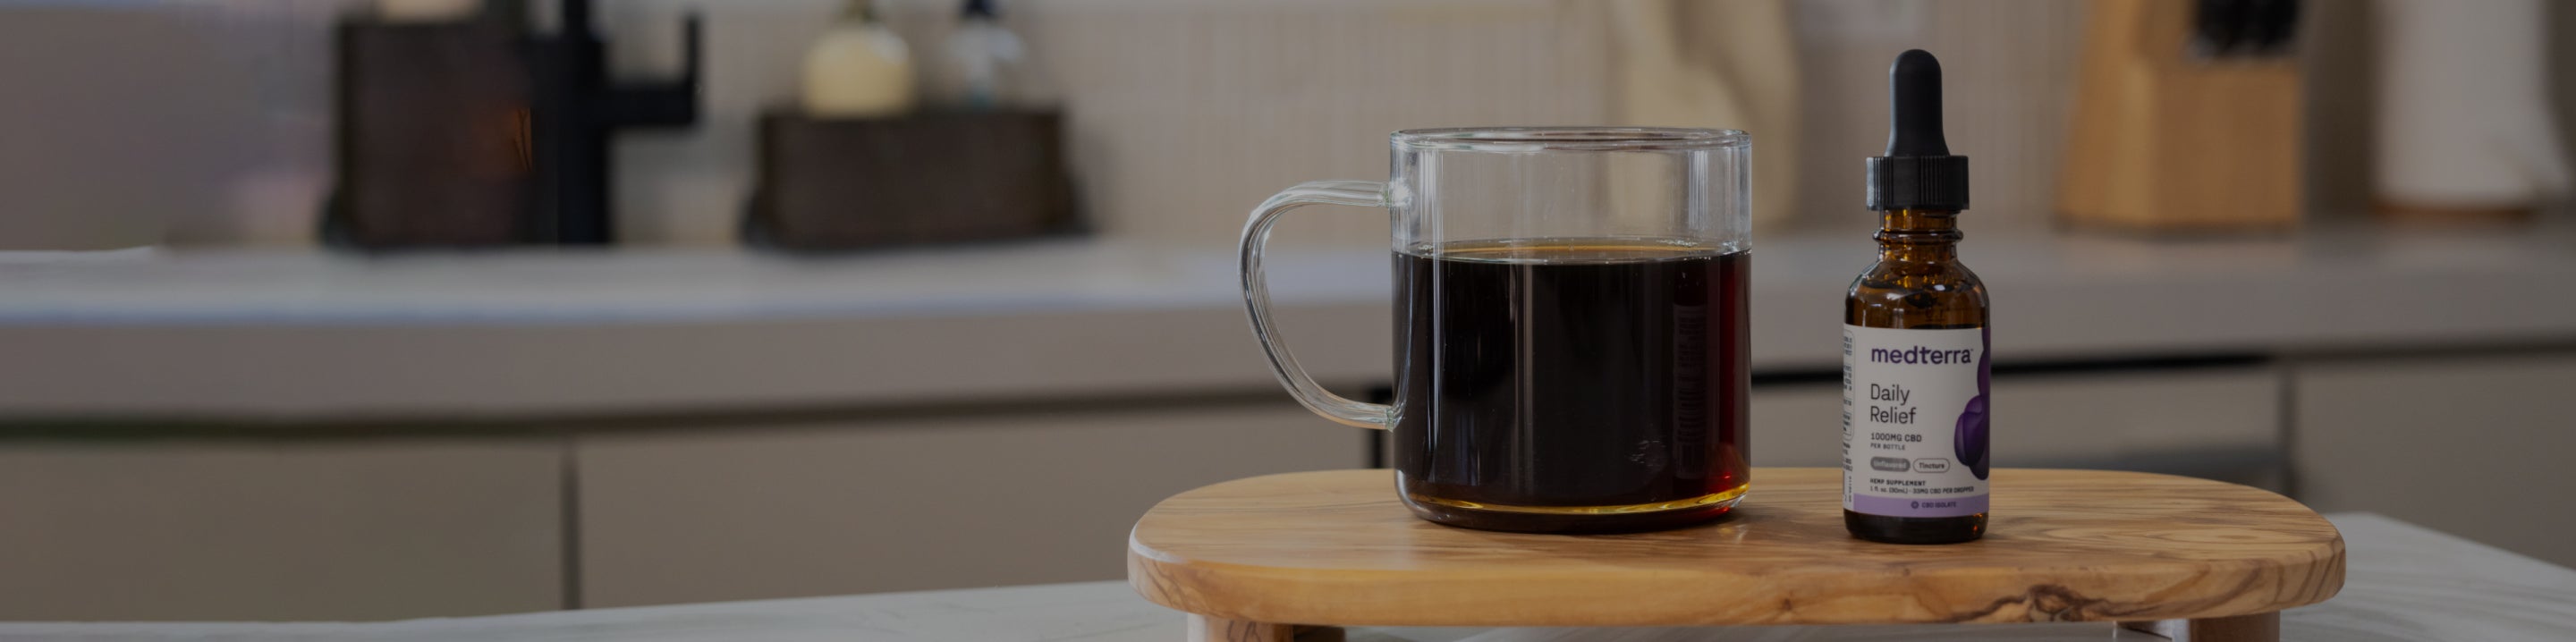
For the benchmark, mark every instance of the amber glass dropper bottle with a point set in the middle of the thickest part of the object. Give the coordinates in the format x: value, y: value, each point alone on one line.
x: 1915, y: 367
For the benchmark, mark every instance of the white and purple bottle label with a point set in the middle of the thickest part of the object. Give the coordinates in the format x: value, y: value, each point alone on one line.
x: 1914, y: 421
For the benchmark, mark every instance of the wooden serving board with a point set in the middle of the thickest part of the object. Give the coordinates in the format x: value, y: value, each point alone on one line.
x: 1253, y: 558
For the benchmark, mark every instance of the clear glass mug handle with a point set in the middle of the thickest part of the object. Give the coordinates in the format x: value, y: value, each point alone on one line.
x: 1256, y: 297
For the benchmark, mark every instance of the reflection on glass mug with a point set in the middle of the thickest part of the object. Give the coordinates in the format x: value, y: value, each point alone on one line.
x: 1570, y: 324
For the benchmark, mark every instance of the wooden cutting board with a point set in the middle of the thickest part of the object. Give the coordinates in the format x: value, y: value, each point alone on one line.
x: 1250, y: 558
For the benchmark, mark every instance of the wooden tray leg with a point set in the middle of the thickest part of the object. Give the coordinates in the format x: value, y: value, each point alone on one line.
x: 2243, y: 628
x: 1208, y: 629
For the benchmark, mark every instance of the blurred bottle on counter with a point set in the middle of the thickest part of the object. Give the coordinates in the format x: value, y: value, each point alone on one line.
x: 982, y: 65
x: 860, y: 69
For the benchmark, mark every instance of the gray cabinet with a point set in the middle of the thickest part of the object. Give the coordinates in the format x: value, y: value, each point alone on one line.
x: 335, y: 529
x: 2473, y: 446
x: 746, y: 512
x: 341, y: 528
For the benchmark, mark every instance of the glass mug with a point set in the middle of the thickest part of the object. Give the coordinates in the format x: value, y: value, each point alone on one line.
x: 1570, y: 324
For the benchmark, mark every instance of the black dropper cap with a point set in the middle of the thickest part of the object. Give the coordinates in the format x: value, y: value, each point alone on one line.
x: 1918, y: 171
x: 978, y: 9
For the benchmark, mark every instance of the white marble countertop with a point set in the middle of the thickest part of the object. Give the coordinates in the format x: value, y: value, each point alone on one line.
x: 2402, y: 583
x: 620, y: 331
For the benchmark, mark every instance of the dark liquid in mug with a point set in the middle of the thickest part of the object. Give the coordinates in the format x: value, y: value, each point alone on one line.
x: 1571, y: 385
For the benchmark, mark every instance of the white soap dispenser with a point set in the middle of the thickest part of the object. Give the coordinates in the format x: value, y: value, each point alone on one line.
x: 980, y: 66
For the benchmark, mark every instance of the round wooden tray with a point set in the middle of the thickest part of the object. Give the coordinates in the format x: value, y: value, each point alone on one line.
x: 1250, y: 558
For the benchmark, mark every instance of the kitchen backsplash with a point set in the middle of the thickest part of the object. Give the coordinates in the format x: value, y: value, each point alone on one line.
x: 1185, y: 113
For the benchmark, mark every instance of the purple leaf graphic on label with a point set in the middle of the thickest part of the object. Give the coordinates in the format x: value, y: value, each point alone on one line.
x: 1970, y: 439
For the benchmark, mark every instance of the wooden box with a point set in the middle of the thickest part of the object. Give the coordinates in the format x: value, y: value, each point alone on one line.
x: 839, y: 184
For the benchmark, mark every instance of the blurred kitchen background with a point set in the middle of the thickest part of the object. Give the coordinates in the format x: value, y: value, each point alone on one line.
x: 293, y: 331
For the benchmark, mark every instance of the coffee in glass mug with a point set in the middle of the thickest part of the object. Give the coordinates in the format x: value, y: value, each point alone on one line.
x: 1570, y: 324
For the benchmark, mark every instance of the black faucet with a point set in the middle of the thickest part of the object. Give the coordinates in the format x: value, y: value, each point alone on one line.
x: 577, y: 109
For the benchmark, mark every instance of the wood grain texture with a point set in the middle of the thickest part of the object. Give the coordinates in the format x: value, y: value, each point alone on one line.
x: 1336, y: 547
